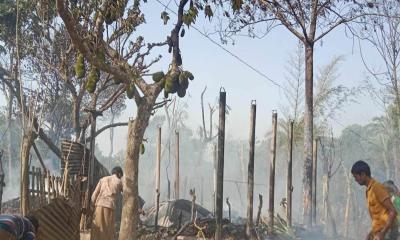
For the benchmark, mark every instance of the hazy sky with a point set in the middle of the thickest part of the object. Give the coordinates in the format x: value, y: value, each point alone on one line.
x: 215, y: 68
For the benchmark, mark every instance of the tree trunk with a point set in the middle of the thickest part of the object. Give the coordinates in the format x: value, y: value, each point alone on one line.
x: 136, y: 129
x: 158, y: 173
x: 308, y: 135
x: 111, y: 139
x: 27, y: 142
x: 314, y: 181
x: 348, y: 205
x: 396, y: 145
x: 10, y: 154
x: 386, y: 157
x: 289, y: 185
x: 325, y: 189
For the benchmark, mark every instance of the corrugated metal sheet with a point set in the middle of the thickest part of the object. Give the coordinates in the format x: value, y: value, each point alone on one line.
x: 59, y: 220
x: 78, y: 157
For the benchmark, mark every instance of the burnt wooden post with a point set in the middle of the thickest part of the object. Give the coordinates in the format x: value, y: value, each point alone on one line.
x: 220, y: 165
x: 229, y: 209
x: 250, y: 170
x: 38, y: 196
x: 272, y: 174
x: 192, y: 193
x: 202, y: 191
x: 40, y: 187
x: 289, y: 185
x: 32, y: 191
x: 314, y: 182
x: 177, y: 166
x: 48, y: 186
x: 158, y: 166
x: 215, y: 178
x: 53, y: 184
x: 260, y: 205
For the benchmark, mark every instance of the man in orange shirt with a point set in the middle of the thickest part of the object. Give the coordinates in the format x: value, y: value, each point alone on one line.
x: 380, y: 206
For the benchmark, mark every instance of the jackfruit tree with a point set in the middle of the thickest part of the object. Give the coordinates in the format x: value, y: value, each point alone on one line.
x: 102, y: 32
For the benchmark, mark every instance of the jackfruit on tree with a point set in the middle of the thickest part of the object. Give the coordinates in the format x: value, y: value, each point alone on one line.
x: 183, y: 80
x: 181, y: 92
x: 130, y: 90
x: 91, y: 85
x: 158, y: 76
x: 80, y: 66
x: 142, y: 148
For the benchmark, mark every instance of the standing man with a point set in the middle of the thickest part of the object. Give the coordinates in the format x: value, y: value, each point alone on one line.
x: 104, y: 199
x: 380, y: 206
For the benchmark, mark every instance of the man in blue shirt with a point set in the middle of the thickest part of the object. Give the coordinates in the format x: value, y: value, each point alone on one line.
x: 14, y: 227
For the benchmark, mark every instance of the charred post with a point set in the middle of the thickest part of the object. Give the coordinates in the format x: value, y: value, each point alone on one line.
x: 220, y: 166
x: 177, y: 166
x: 250, y: 170
x: 314, y: 182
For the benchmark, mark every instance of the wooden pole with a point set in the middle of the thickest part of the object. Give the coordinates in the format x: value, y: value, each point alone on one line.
x: 192, y: 193
x: 289, y: 186
x: 220, y: 165
x: 229, y: 209
x: 158, y: 164
x: 215, y: 178
x: 314, y: 182
x: 272, y: 174
x: 260, y: 205
x: 177, y: 166
x: 202, y: 191
x: 250, y: 170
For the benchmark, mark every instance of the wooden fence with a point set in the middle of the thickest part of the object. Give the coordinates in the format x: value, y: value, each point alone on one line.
x: 45, y: 187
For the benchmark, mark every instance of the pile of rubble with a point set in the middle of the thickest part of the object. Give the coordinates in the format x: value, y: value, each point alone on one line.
x: 175, y: 222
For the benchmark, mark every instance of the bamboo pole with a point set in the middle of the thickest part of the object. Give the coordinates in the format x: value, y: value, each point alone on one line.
x: 192, y: 193
x: 314, y: 182
x: 177, y: 166
x: 220, y: 165
x: 272, y: 174
x: 250, y: 170
x: 158, y: 166
x: 289, y: 186
x: 215, y: 178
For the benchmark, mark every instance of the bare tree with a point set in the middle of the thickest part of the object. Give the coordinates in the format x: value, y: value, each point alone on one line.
x: 309, y: 21
x: 383, y: 33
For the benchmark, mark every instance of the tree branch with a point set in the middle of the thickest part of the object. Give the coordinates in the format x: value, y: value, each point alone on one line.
x: 105, y: 128
x: 279, y: 15
x: 202, y: 112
